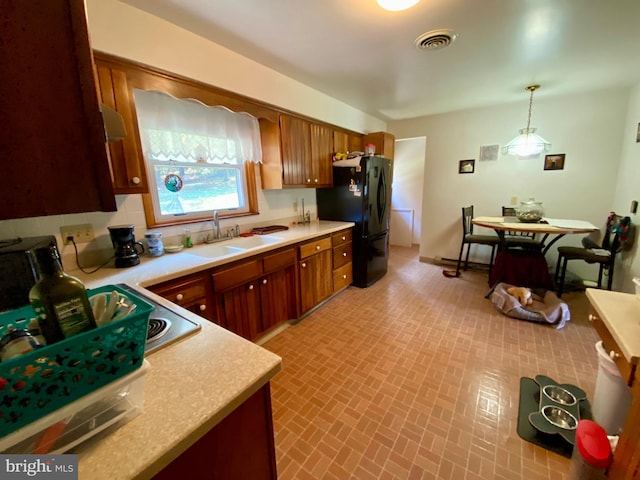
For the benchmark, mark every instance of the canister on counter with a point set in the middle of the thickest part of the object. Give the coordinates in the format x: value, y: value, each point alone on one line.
x: 17, y: 342
x: 154, y: 243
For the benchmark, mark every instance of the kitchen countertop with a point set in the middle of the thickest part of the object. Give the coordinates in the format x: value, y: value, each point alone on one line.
x: 620, y: 313
x: 193, y: 383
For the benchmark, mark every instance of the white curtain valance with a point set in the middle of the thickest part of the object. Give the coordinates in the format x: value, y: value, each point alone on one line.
x: 187, y: 130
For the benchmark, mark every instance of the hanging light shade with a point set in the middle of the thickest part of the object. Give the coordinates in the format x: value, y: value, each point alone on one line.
x: 397, y: 5
x: 528, y: 143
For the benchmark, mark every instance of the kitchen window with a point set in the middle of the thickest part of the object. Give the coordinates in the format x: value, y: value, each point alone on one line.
x: 199, y: 158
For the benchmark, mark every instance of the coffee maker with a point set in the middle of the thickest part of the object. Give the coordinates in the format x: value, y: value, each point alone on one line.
x: 126, y: 249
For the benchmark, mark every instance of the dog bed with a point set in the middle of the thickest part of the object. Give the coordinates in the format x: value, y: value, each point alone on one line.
x: 546, y: 308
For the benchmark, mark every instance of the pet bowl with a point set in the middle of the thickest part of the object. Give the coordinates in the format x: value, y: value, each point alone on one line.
x: 559, y: 395
x: 559, y: 417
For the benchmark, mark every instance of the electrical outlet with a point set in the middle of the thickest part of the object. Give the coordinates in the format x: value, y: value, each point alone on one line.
x: 81, y: 233
x: 514, y: 200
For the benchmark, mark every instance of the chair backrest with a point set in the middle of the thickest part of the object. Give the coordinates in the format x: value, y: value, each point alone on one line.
x: 467, y: 225
x: 511, y: 212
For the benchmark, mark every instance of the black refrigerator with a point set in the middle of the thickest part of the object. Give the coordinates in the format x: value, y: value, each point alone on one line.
x: 361, y: 194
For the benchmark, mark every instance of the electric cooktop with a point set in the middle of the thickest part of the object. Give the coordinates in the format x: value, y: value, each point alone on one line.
x: 165, y: 325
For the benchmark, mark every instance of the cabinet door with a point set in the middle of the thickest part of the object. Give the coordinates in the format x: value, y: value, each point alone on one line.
x: 241, y: 310
x: 340, y: 142
x: 316, y: 279
x: 54, y: 158
x: 128, y: 171
x: 296, y: 154
x: 277, y: 298
x: 321, y: 173
x: 384, y: 142
x: 355, y: 143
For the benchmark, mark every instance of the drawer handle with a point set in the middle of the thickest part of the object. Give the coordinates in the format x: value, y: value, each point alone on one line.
x: 344, y: 238
x: 135, y: 180
x: 179, y: 297
x: 202, y: 307
x: 614, y: 355
x: 344, y: 254
x: 317, y: 247
x: 250, y: 287
x: 264, y: 282
x: 304, y: 265
x: 591, y: 317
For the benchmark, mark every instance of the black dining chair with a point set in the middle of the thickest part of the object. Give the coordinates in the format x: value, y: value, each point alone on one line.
x: 523, y: 240
x: 618, y: 234
x: 469, y: 238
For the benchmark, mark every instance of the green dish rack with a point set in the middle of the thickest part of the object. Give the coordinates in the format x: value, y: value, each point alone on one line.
x: 37, y: 383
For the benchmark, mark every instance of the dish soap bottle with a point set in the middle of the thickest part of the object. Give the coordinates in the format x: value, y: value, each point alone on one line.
x: 59, y: 300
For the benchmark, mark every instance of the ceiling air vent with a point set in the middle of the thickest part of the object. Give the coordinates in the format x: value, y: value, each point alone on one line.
x: 436, y: 39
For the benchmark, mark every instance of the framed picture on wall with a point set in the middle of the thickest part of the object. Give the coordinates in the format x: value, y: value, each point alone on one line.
x: 489, y: 152
x: 554, y: 162
x: 467, y: 166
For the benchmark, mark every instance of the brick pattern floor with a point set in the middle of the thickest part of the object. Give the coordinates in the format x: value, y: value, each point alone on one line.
x: 417, y: 377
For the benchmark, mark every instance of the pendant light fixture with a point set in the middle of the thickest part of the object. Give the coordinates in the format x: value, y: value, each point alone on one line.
x: 397, y: 5
x: 528, y: 143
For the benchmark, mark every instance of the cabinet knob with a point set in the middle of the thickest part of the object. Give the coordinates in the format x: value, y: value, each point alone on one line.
x: 344, y: 276
x: 250, y: 287
x: 202, y: 307
x: 344, y: 238
x: 317, y: 247
x: 304, y: 265
x: 135, y: 180
x: 308, y: 180
x: 179, y: 297
x: 264, y: 281
x: 344, y: 254
x: 315, y: 180
x: 614, y: 355
x: 591, y: 317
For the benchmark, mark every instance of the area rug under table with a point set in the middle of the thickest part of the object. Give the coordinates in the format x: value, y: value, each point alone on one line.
x: 530, y: 403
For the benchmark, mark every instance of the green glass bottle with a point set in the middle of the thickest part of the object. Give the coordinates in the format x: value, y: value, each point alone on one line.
x: 60, y: 300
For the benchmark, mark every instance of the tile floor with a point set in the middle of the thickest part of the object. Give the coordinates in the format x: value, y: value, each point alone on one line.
x: 417, y: 377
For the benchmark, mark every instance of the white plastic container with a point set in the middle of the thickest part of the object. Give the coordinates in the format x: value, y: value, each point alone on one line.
x: 110, y: 406
x: 612, y: 397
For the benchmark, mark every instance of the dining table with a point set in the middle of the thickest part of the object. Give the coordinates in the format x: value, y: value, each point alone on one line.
x: 528, y: 267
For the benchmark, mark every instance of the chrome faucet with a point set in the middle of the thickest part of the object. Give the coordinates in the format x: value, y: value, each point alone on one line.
x: 216, y: 223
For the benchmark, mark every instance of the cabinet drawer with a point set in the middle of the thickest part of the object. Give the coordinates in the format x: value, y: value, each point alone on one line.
x: 276, y: 261
x: 236, y: 275
x: 183, y: 291
x: 626, y: 369
x: 342, y: 255
x: 341, y: 237
x: 314, y: 246
x: 342, y: 277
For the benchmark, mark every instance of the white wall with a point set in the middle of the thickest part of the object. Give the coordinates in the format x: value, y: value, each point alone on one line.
x: 588, y: 128
x: 408, y: 173
x: 627, y: 189
x: 127, y: 32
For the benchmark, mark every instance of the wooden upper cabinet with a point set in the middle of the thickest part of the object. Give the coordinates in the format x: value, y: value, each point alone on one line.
x: 384, y: 142
x: 296, y: 150
x: 128, y: 171
x: 321, y: 166
x: 53, y: 141
x: 347, y: 142
x: 355, y: 143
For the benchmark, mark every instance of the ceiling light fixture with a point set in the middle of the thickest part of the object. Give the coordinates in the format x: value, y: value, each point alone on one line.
x: 528, y: 143
x: 397, y: 5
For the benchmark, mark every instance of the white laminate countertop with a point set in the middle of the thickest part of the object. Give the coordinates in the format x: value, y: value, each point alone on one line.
x: 620, y: 312
x: 193, y: 383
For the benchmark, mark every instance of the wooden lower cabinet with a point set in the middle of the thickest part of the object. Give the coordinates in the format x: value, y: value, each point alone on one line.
x: 192, y: 292
x: 240, y: 447
x: 316, y: 273
x: 256, y: 295
x: 342, y: 259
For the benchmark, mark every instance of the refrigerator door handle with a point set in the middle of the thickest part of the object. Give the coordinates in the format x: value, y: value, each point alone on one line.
x: 382, y: 196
